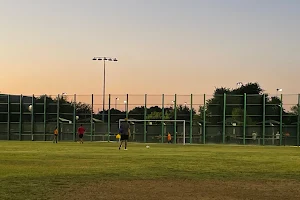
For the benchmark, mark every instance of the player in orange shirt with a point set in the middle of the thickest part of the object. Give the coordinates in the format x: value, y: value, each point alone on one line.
x: 55, y: 135
x: 169, y: 138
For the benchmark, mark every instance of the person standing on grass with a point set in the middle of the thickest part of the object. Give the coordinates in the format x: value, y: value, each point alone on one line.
x: 254, y: 135
x: 125, y: 133
x: 118, y: 137
x: 277, y: 138
x: 169, y: 138
x: 81, y: 131
x: 55, y: 135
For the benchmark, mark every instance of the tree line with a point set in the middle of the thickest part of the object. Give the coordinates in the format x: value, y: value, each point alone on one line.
x: 213, y: 110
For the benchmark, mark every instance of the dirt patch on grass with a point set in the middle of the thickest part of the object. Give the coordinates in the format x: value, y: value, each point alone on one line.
x: 183, y: 189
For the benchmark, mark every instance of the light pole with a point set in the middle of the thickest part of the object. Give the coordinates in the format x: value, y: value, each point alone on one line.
x: 278, y: 90
x: 116, y: 99
x: 125, y: 104
x: 30, y: 108
x: 104, y: 60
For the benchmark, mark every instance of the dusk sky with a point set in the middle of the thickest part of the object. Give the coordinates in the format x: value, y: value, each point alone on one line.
x: 163, y: 46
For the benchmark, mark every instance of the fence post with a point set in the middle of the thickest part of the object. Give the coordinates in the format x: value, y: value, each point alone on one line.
x: 74, y: 118
x: 163, y: 118
x: 191, y: 120
x: 21, y: 118
x: 224, y: 117
x: 245, y: 119
x: 32, y: 117
x: 45, y: 116
x: 264, y: 118
x: 280, y: 128
x: 108, y: 118
x: 145, y: 118
x: 8, y: 117
x: 175, y: 118
x: 92, y: 121
x: 204, y: 120
x: 298, y: 121
x: 57, y: 116
x: 127, y: 97
x: 103, y: 108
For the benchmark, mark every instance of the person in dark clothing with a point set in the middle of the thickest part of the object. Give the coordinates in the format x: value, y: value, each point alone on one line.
x: 125, y: 133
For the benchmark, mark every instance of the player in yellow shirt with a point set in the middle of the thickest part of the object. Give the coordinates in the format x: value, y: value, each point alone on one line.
x: 55, y: 135
x: 118, y: 137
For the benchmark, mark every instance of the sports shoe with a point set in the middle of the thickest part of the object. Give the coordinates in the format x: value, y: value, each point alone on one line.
x: 120, y: 147
x: 125, y: 149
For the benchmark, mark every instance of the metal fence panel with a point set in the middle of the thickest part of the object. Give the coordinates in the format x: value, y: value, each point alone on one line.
x: 221, y: 119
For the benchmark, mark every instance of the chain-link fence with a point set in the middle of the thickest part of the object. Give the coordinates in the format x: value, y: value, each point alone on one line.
x: 222, y: 119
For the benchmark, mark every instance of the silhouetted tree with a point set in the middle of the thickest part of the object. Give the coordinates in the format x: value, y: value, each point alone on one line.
x: 214, y: 108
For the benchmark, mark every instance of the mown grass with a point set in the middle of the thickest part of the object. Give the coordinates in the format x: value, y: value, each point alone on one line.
x: 37, y: 170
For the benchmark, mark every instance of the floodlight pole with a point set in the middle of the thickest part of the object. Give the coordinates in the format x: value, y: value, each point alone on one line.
x: 103, y: 98
x: 104, y: 77
x: 116, y: 99
x: 278, y: 90
x: 125, y: 104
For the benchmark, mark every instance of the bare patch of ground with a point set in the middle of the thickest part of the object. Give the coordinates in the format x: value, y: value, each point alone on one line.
x: 183, y: 190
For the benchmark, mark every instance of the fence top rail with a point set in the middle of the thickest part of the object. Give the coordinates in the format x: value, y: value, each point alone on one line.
x: 154, y: 120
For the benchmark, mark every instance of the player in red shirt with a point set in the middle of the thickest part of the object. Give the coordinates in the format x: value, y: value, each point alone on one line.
x: 81, y: 131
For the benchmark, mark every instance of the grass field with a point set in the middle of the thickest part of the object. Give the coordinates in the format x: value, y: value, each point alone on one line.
x: 43, y: 170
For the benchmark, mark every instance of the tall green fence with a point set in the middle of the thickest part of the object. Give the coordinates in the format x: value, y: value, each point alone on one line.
x: 223, y: 119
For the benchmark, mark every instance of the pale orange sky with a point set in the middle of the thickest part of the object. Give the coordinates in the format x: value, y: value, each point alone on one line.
x: 161, y: 47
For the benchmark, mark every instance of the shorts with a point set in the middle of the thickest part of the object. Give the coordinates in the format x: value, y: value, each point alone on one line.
x: 80, y: 136
x: 124, y: 137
